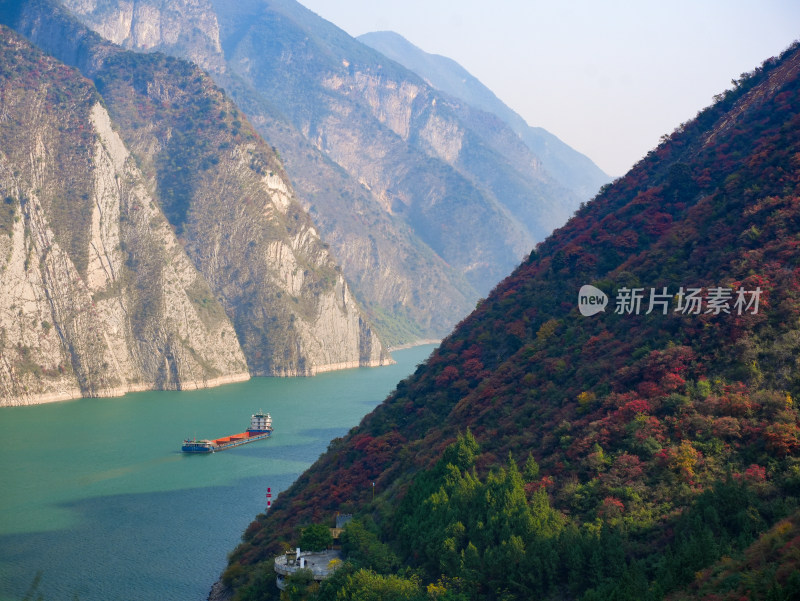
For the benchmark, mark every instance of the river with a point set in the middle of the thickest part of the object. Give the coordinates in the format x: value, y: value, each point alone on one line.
x: 97, y: 503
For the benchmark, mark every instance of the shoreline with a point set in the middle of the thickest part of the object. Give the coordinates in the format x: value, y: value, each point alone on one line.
x: 218, y: 590
x: 420, y: 342
x: 118, y: 391
x: 327, y: 367
x: 72, y: 394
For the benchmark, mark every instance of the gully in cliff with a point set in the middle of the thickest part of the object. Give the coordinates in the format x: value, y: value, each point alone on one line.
x: 260, y: 427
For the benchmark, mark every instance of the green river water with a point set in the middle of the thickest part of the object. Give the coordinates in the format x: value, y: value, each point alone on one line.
x: 98, y: 503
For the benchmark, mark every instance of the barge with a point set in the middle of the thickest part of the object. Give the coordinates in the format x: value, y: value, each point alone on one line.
x: 260, y: 428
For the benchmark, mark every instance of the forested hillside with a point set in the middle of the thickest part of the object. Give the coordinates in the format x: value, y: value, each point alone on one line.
x: 641, y: 452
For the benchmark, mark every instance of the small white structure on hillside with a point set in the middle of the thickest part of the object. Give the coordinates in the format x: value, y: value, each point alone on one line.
x: 321, y: 563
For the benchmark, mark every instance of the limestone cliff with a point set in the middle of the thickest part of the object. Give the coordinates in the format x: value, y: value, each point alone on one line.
x: 389, y: 131
x: 153, y: 24
x: 408, y: 290
x: 569, y: 167
x: 228, y: 197
x: 153, y: 239
x: 98, y: 297
x: 426, y: 202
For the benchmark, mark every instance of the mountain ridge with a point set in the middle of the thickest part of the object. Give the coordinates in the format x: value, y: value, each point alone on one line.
x: 405, y: 166
x: 540, y: 453
x: 447, y: 75
x: 261, y: 258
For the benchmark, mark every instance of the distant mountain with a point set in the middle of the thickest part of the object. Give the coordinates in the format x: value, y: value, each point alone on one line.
x: 570, y: 168
x: 152, y: 239
x: 546, y: 450
x: 427, y: 202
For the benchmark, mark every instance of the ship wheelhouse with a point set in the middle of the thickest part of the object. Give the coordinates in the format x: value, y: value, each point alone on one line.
x: 260, y: 422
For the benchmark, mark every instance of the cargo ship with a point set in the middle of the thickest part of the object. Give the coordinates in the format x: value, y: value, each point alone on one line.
x: 260, y: 428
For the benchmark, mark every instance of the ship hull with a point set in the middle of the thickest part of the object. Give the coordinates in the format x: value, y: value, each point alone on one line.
x: 226, y: 442
x: 260, y: 428
x: 189, y: 447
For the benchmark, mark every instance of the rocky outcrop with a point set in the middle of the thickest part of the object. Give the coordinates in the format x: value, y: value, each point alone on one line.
x: 409, y: 291
x: 387, y: 129
x: 98, y: 296
x: 153, y: 24
x: 219, y: 592
x: 241, y: 223
x: 568, y: 167
x: 143, y: 249
x: 425, y: 201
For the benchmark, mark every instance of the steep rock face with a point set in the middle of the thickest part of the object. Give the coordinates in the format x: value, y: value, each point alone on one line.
x: 154, y: 24
x: 440, y: 204
x: 389, y: 130
x: 228, y: 201
x: 426, y: 202
x: 228, y: 197
x: 570, y: 168
x: 409, y: 291
x: 98, y: 296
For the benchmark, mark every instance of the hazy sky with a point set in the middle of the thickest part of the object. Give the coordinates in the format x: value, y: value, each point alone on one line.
x: 608, y: 77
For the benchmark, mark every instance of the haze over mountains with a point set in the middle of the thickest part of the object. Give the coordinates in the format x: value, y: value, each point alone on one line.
x: 426, y: 201
x: 572, y: 169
